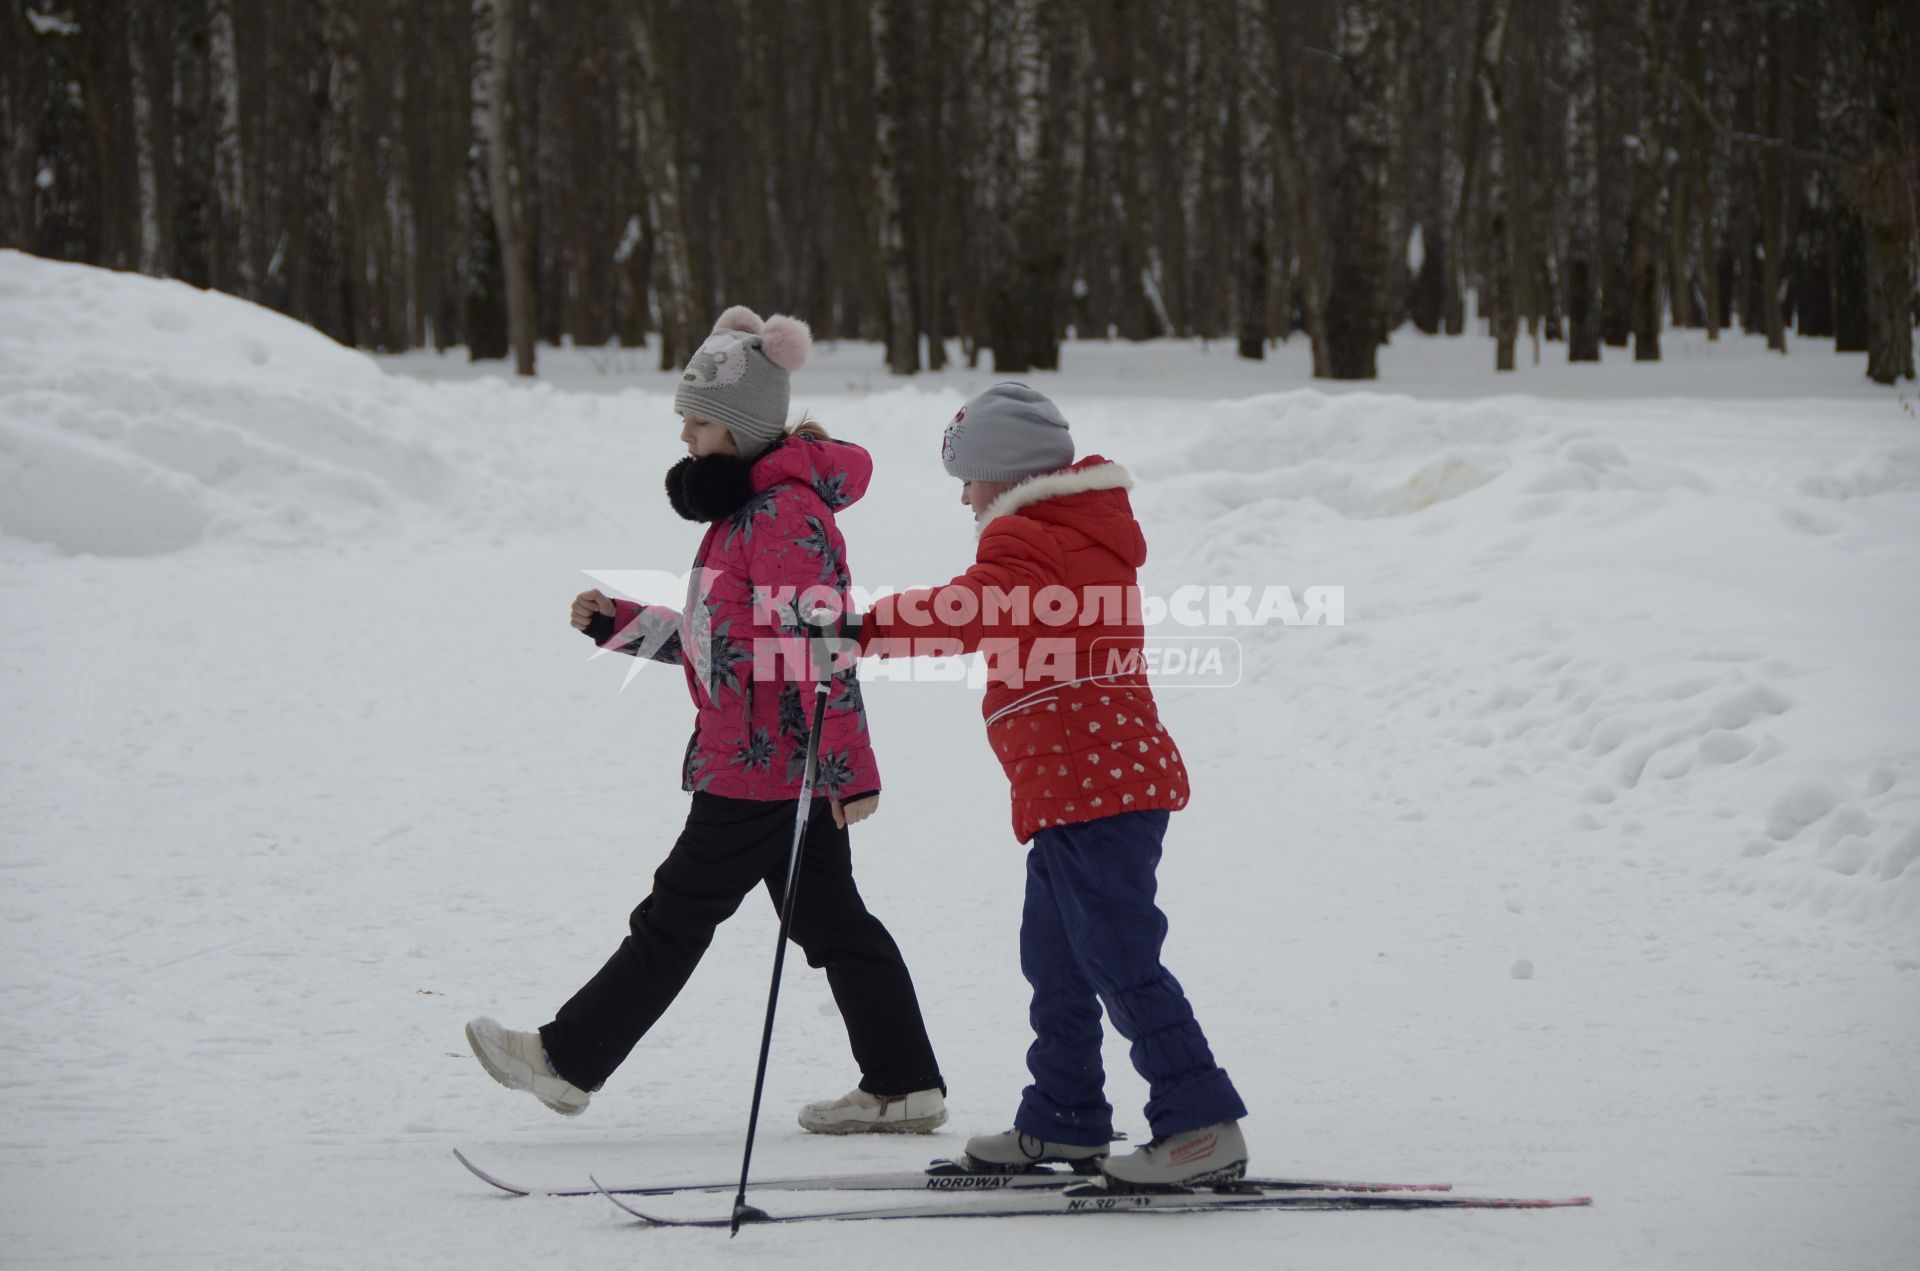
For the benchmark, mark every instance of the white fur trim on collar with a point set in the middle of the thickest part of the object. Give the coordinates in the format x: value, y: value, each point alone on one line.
x: 1051, y: 485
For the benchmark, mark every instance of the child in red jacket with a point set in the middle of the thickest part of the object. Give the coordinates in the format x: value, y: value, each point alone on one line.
x: 1051, y: 602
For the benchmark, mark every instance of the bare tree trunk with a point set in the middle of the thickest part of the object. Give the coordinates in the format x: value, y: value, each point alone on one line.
x: 1882, y: 187
x: 1175, y: 171
x: 1488, y: 98
x: 1021, y: 321
x: 1709, y: 258
x: 757, y: 205
x: 23, y: 104
x: 1293, y: 172
x: 931, y: 62
x: 1472, y: 141
x: 634, y: 261
x: 1851, y: 327
x: 1255, y: 140
x: 672, y: 256
x: 1889, y: 300
x: 1359, y: 253
x: 1707, y: 194
x: 1773, y: 195
x: 1490, y: 77
x: 190, y: 224
x: 1679, y: 186
x: 1812, y: 281
x: 1431, y: 102
x: 1613, y: 173
x: 1120, y: 93
x: 1649, y: 157
x: 1390, y: 304
x: 395, y: 270
x: 351, y: 214
x: 633, y: 253
x: 903, y: 337
x: 1070, y: 120
x: 233, y: 217
x: 151, y: 257
x: 496, y: 26
x: 312, y: 251
x: 487, y: 327
x: 1882, y: 191
x: 1583, y: 229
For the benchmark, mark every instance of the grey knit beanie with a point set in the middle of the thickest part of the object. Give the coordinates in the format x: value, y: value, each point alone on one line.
x: 1008, y: 433
x: 739, y: 376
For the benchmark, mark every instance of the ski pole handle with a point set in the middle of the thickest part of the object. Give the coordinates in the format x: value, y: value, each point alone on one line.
x: 824, y: 621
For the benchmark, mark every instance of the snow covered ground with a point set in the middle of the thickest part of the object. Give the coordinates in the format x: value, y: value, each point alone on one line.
x: 1580, y: 859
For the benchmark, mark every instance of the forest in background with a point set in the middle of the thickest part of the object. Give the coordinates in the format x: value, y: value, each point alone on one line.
x: 988, y: 175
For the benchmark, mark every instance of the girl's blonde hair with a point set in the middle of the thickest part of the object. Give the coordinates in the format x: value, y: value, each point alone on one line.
x: 810, y: 428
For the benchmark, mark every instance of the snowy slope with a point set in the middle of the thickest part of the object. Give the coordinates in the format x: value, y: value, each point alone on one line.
x: 145, y: 417
x: 1579, y: 859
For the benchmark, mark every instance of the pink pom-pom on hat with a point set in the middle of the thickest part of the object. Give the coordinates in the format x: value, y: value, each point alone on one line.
x: 786, y: 341
x: 740, y: 318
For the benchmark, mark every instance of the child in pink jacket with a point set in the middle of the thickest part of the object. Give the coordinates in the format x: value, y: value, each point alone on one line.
x: 768, y: 497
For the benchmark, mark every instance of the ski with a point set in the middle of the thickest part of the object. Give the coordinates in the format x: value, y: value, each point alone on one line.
x: 1094, y: 1199
x: 940, y: 1176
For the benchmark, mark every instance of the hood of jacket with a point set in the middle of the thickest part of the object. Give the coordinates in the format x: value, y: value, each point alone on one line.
x: 838, y: 471
x: 1090, y: 498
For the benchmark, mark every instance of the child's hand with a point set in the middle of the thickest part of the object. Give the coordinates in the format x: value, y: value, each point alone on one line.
x: 587, y: 604
x: 845, y: 814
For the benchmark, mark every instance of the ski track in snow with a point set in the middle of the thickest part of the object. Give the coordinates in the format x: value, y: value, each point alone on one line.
x: 1580, y: 860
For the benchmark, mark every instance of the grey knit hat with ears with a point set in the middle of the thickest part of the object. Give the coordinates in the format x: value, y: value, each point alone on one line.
x: 1008, y: 433
x: 739, y: 376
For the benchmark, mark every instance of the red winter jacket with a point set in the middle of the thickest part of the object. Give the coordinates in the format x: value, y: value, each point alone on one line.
x: 1052, y: 602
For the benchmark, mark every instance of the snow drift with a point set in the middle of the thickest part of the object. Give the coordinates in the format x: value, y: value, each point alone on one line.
x: 141, y: 416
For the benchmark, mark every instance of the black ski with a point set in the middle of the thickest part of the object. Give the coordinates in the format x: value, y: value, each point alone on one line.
x: 940, y: 1176
x: 1091, y: 1198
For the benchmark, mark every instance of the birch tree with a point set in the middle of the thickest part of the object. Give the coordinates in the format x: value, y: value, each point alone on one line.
x: 498, y: 175
x: 232, y: 263
x: 150, y: 258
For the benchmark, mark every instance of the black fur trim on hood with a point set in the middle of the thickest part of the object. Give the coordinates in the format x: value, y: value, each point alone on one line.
x: 709, y: 487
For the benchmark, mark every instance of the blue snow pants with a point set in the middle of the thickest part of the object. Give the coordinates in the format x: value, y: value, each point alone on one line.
x: 1091, y: 934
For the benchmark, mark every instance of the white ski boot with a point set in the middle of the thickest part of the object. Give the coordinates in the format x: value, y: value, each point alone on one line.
x: 519, y: 1062
x: 1192, y: 1158
x: 858, y: 1112
x: 1012, y: 1152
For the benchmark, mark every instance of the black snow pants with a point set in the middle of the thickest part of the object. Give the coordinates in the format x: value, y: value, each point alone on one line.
x: 729, y: 847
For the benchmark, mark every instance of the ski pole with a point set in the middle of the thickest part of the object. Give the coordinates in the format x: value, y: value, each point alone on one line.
x: 819, y: 621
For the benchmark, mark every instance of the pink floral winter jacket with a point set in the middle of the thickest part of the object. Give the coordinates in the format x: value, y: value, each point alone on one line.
x: 750, y: 735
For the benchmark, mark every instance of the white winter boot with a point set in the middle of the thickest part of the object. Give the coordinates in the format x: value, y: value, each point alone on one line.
x: 858, y: 1112
x: 1210, y: 1154
x: 519, y: 1062
x: 1012, y: 1152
